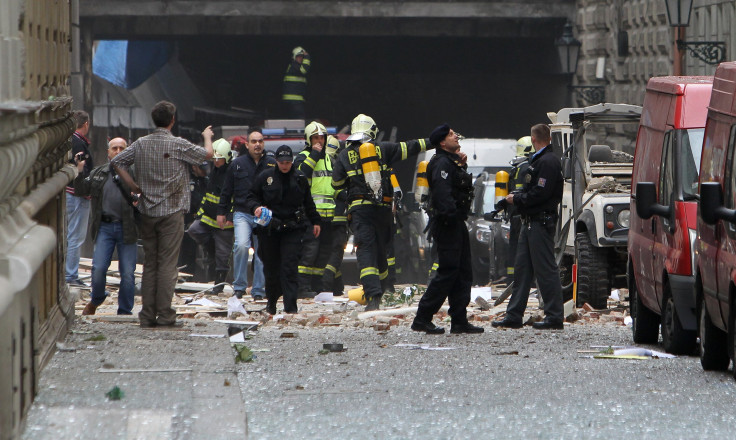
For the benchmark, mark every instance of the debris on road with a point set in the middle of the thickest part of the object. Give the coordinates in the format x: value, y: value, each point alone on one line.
x: 422, y: 347
x: 115, y: 393
x: 244, y: 354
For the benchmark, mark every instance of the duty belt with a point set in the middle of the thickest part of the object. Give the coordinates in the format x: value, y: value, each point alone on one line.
x: 538, y: 217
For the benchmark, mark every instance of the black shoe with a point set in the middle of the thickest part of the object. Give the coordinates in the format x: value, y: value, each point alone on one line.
x: 220, y: 276
x: 427, y: 327
x: 258, y: 297
x: 173, y: 324
x: 239, y: 293
x: 548, y: 325
x: 466, y: 328
x: 374, y: 303
x: 506, y: 323
x: 271, y: 308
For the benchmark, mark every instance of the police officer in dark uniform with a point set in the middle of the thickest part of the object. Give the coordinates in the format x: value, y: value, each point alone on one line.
x: 537, y: 204
x: 285, y: 191
x: 451, y: 193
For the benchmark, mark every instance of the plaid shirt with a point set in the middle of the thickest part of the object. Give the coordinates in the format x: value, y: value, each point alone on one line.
x: 162, y: 171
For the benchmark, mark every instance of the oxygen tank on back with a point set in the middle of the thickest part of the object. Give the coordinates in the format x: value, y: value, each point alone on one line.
x: 422, y: 187
x: 371, y: 168
x: 502, y: 185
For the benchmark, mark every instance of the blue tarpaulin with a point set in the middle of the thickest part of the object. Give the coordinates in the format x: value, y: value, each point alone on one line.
x: 128, y: 64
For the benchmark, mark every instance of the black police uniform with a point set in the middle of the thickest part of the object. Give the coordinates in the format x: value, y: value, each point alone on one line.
x: 287, y: 195
x: 451, y: 193
x: 370, y: 219
x: 537, y: 204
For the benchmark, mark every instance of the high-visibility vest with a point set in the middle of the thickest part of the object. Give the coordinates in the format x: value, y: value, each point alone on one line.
x: 320, y: 183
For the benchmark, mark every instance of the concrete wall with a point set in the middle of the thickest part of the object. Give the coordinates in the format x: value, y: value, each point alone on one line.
x: 35, y: 125
x: 488, y: 18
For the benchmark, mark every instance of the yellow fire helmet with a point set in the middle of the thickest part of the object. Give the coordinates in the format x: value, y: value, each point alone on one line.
x: 332, y: 145
x: 297, y: 51
x: 363, y: 129
x: 313, y: 128
x: 222, y: 150
x: 524, y: 146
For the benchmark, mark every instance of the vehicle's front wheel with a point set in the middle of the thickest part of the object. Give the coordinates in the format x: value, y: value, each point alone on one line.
x: 594, y: 285
x: 675, y: 339
x: 713, y: 343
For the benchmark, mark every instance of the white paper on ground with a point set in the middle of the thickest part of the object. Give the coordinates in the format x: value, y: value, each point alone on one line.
x: 198, y: 335
x: 637, y: 351
x: 615, y: 295
x: 232, y: 321
x: 422, y: 347
x: 204, y: 302
x: 323, y: 297
x: 237, y: 337
x: 484, y: 292
x: 234, y: 305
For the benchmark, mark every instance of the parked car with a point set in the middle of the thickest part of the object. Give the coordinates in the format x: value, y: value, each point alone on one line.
x: 489, y: 240
x: 664, y: 205
x: 596, y: 144
x: 715, y: 246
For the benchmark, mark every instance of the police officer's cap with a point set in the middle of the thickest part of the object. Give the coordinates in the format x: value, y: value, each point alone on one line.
x: 284, y: 154
x: 439, y: 134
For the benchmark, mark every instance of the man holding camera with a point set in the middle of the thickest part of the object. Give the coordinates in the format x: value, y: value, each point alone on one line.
x: 113, y: 226
x: 77, y: 207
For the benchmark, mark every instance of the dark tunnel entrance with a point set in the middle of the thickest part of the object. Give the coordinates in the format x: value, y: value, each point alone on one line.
x: 485, y: 87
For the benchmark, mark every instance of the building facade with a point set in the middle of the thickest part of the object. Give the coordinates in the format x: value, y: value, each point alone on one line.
x: 36, y: 307
x: 626, y: 42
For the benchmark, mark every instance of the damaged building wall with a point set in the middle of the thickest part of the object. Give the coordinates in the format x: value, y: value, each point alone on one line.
x: 35, y: 126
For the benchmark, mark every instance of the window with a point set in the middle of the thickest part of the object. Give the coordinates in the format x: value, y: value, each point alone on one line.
x: 692, y: 146
x: 666, y: 175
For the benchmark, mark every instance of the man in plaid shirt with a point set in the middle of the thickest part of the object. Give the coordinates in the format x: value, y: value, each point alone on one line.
x: 162, y: 164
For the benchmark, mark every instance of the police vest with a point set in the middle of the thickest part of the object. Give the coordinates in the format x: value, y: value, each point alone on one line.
x: 322, y: 191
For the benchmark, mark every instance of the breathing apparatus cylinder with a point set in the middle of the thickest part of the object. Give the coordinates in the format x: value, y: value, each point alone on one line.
x: 502, y: 185
x: 371, y: 168
x: 422, y: 186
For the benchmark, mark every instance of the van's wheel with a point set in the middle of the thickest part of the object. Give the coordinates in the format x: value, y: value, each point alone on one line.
x: 594, y: 286
x: 644, y: 322
x: 713, y: 348
x: 675, y: 339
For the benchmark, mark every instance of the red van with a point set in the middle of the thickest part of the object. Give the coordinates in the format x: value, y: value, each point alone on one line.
x: 664, y: 206
x: 715, y: 251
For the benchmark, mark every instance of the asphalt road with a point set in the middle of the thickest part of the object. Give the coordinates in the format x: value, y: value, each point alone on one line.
x: 502, y: 384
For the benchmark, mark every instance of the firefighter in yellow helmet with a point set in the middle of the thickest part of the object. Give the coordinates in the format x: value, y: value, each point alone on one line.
x: 316, y: 165
x: 363, y: 170
x: 295, y: 83
x: 204, y: 230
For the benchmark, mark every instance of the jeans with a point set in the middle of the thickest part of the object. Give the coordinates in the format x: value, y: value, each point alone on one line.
x: 77, y: 217
x: 244, y: 224
x: 109, y: 237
